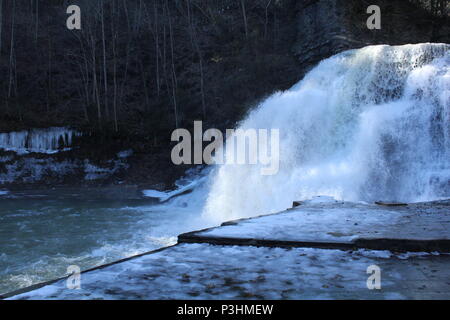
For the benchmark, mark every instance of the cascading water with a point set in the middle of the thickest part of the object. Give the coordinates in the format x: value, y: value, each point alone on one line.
x: 364, y: 125
x: 47, y: 141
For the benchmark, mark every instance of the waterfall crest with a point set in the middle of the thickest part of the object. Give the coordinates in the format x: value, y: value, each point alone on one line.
x: 364, y: 125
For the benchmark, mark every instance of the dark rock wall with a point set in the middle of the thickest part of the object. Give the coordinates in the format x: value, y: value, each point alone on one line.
x: 327, y: 27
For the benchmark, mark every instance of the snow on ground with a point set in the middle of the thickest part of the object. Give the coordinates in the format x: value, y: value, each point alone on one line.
x: 150, y: 193
x: 182, y: 189
x: 343, y: 222
x: 203, y: 271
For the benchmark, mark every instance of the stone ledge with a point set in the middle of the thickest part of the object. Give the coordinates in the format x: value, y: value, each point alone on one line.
x: 394, y: 245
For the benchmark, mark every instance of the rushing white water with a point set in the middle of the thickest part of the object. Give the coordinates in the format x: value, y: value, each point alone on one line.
x: 47, y: 141
x: 364, y: 125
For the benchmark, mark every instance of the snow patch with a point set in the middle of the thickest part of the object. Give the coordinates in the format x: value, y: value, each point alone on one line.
x: 203, y: 271
x: 182, y: 189
x: 94, y: 172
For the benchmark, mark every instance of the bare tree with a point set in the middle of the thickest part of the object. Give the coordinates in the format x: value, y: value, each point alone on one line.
x: 1, y: 24
x: 84, y: 72
x: 173, y: 73
x: 105, y: 74
x: 36, y: 22
x: 244, y: 14
x: 128, y: 50
x: 49, y: 72
x: 266, y: 21
x: 157, y: 51
x: 200, y: 55
x: 90, y: 27
x: 114, y: 52
x: 11, y: 52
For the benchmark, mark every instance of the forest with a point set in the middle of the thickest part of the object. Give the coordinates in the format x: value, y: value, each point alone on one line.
x: 136, y: 67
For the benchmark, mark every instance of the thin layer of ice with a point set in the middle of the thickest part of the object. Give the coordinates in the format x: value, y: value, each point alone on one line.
x: 203, y: 271
x: 344, y: 222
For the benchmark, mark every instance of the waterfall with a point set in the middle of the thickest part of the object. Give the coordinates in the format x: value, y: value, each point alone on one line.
x: 47, y: 141
x: 364, y: 125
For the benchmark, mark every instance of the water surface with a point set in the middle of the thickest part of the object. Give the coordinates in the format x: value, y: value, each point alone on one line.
x: 44, y: 232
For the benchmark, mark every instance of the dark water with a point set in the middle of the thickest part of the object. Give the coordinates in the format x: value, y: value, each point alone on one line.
x: 44, y: 232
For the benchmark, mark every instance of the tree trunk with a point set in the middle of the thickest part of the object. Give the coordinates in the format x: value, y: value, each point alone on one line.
x: 95, y: 92
x: 105, y: 76
x: 158, y: 85
x: 128, y: 48
x: 174, y: 75
x: 196, y: 46
x: 49, y: 75
x: 1, y: 23
x: 244, y: 14
x: 113, y: 43
x: 37, y: 23
x: 11, y: 52
x: 266, y: 22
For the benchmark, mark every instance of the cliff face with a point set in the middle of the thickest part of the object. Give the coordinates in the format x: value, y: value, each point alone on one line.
x: 164, y: 64
x: 327, y: 27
